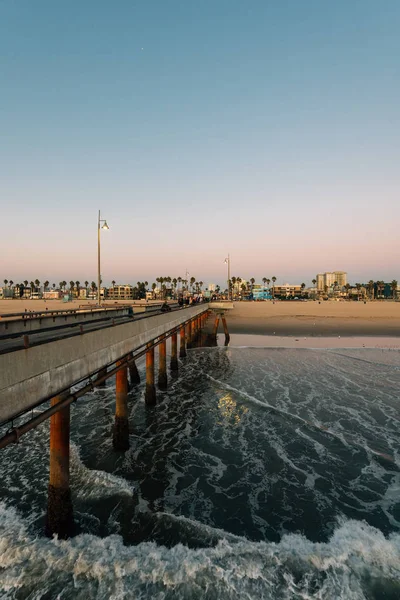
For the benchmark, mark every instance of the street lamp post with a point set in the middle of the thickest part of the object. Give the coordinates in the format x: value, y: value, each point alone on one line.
x: 228, y: 262
x: 99, y: 226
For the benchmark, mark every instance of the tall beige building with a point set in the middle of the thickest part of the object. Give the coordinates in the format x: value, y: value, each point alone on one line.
x: 320, y: 281
x: 329, y: 278
x: 341, y: 278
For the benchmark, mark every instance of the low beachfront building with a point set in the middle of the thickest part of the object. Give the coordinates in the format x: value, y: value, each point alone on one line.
x: 261, y: 292
x: 286, y: 290
x: 52, y: 294
x: 120, y: 292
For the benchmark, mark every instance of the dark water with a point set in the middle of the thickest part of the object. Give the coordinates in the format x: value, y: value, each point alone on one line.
x: 261, y: 473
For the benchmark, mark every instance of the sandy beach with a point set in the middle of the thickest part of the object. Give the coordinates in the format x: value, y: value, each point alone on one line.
x: 306, y: 319
x: 311, y: 319
x: 19, y: 306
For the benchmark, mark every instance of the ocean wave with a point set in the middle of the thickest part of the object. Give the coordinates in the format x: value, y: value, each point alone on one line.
x: 90, y: 484
x: 357, y: 562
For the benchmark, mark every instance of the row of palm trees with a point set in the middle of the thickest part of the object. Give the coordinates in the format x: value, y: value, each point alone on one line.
x: 363, y: 289
x: 237, y: 283
x: 35, y: 285
x: 179, y: 285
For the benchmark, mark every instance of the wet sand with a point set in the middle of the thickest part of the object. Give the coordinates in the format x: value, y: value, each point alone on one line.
x: 311, y: 319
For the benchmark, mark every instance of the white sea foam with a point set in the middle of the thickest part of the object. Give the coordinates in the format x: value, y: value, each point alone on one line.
x: 89, y: 484
x: 355, y: 559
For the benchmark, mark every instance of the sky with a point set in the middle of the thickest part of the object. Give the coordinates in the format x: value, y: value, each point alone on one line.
x: 267, y: 129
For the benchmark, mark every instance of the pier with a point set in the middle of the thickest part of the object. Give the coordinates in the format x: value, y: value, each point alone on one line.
x: 63, y: 350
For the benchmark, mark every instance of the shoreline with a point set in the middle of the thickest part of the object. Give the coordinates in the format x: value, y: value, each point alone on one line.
x: 238, y: 340
x: 311, y: 319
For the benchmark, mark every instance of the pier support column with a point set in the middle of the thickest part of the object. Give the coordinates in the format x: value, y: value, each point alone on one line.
x: 150, y: 394
x: 133, y: 373
x: 182, y: 346
x: 162, y: 366
x: 121, y: 425
x: 189, y: 334
x: 102, y: 373
x: 227, y: 336
x: 174, y: 353
x: 60, y: 517
x: 215, y: 330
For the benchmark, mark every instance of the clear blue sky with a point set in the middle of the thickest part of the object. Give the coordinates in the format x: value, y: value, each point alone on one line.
x: 267, y: 129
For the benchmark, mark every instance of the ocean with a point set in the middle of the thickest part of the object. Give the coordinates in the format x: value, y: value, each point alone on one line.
x: 268, y: 473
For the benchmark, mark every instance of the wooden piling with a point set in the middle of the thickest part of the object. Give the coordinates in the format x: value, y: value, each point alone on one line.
x: 215, y: 331
x: 227, y: 336
x: 189, y: 334
x: 150, y: 394
x: 60, y: 517
x: 121, y: 424
x: 182, y: 346
x: 162, y: 365
x: 133, y: 372
x: 174, y: 353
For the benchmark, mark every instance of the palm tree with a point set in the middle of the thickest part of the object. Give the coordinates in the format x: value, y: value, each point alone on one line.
x: 86, y: 286
x: 71, y: 287
x: 264, y: 280
x: 179, y: 280
x: 358, y: 286
x: 32, y: 286
x: 192, y: 280
x: 5, y: 282
x: 303, y: 285
x: 54, y: 286
x: 347, y: 286
x: 46, y: 285
x: 93, y: 286
x: 393, y: 287
x: 153, y: 287
x: 78, y: 287
x: 252, y: 281
x: 314, y: 281
x: 380, y: 286
x: 113, y: 282
x: 201, y: 283
x: 26, y: 283
x: 371, y: 289
x: 61, y: 284
x: 273, y: 286
x: 233, y: 280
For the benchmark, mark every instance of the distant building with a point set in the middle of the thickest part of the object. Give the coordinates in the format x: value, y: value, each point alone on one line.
x: 287, y: 290
x: 261, y: 292
x: 120, y: 292
x: 211, y: 287
x: 341, y: 278
x: 52, y: 294
x: 328, y: 279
